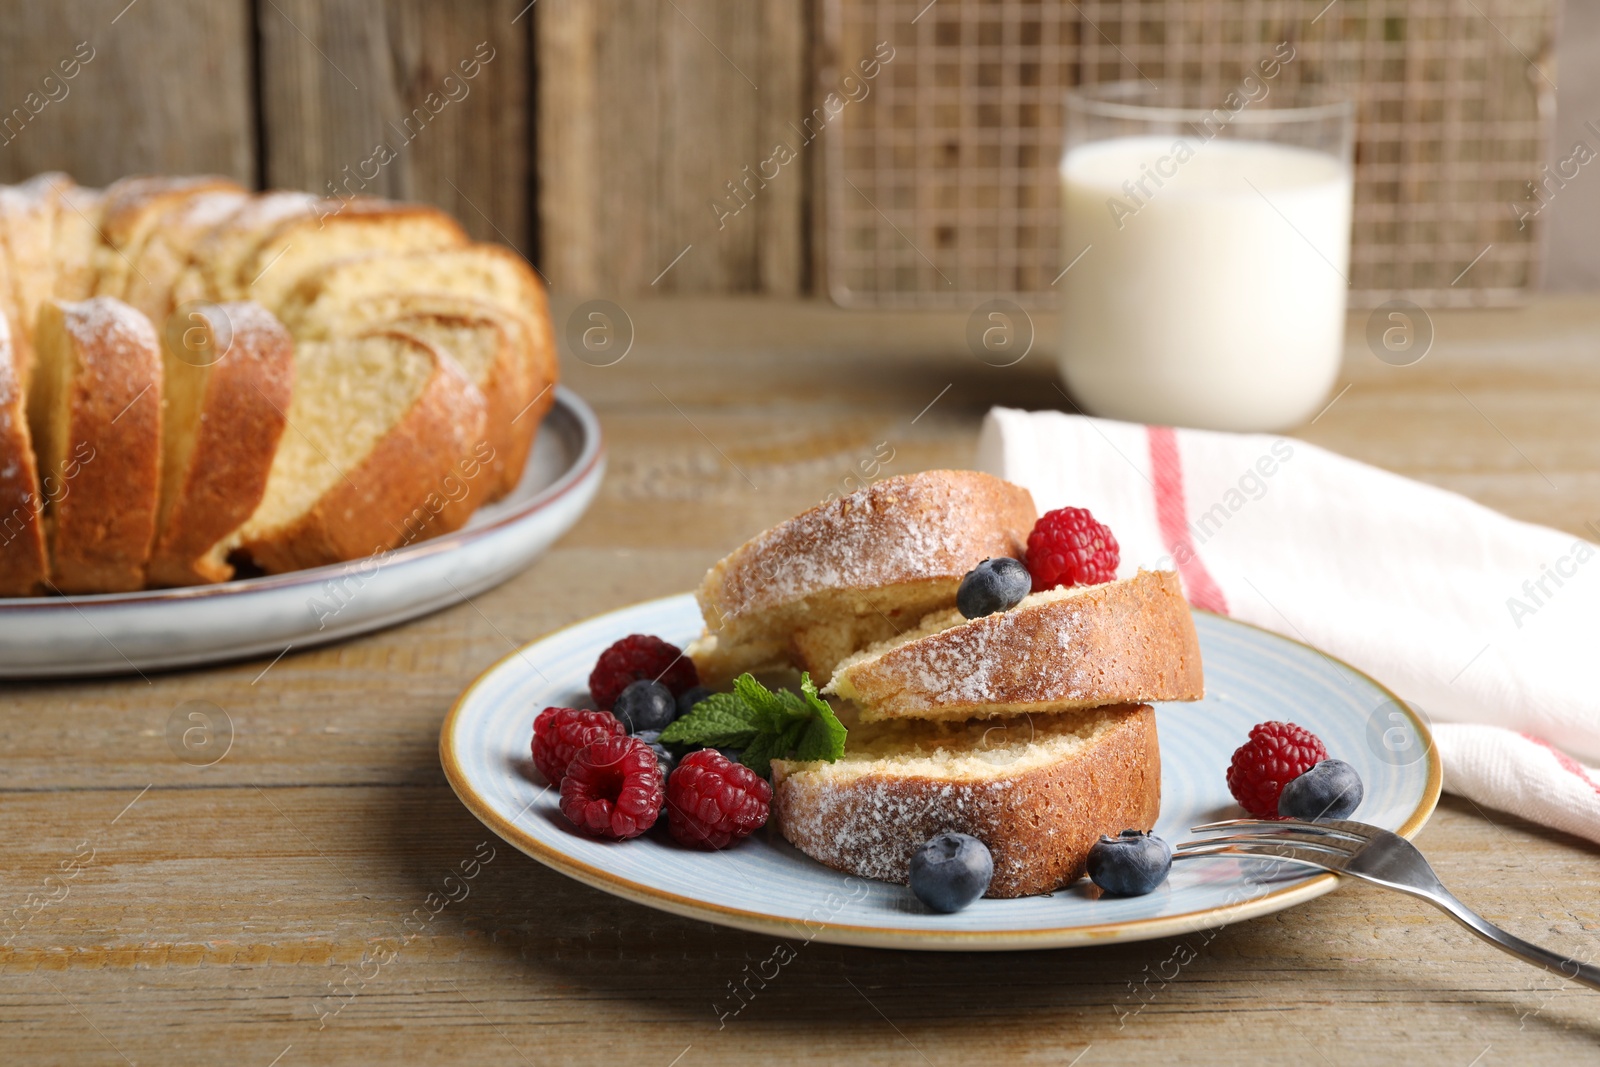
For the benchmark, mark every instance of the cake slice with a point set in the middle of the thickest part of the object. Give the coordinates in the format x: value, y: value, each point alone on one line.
x: 129, y: 213
x: 218, y: 256
x: 23, y: 564
x: 1037, y: 790
x: 94, y: 410
x: 380, y: 430
x: 1127, y: 641
x: 298, y: 246
x: 165, y: 253
x: 75, y: 239
x: 324, y: 298
x: 229, y: 379
x: 856, y: 570
x: 347, y: 294
x: 27, y: 227
x: 10, y: 307
x: 491, y: 344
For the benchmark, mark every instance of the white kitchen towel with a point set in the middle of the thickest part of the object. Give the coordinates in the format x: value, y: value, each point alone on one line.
x: 1470, y: 616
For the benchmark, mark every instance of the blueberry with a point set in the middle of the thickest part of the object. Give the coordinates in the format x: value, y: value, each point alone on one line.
x: 951, y: 871
x: 645, y: 705
x: 1331, y: 789
x: 993, y: 585
x: 653, y: 739
x: 690, y: 697
x: 1131, y: 864
x: 733, y: 755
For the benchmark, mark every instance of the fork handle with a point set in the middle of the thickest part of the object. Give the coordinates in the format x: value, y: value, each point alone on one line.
x: 1566, y: 967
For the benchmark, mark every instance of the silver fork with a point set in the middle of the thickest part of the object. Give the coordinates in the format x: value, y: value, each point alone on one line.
x: 1373, y: 855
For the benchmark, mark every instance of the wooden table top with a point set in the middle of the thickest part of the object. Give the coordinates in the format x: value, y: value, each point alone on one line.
x: 160, y: 913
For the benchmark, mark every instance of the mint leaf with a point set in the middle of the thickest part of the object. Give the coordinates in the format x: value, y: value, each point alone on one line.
x: 764, y: 725
x: 759, y: 754
x: 770, y: 712
x: 720, y: 720
x: 824, y: 735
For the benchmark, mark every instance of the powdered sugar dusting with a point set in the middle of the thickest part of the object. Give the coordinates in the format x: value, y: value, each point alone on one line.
x: 1038, y: 816
x: 106, y: 321
x: 905, y: 529
x: 1131, y: 640
x: 210, y: 209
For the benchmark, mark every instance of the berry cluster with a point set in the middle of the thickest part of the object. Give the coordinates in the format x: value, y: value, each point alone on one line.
x: 1275, y: 754
x: 617, y: 779
x: 1283, y: 772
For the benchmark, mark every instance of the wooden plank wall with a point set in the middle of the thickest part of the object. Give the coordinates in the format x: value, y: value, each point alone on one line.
x: 648, y: 109
x: 641, y: 111
x: 167, y: 87
x: 413, y: 99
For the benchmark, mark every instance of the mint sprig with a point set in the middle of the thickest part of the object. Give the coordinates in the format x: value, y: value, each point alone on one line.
x: 763, y: 724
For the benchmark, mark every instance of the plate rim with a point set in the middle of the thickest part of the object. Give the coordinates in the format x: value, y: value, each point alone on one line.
x: 590, y: 453
x: 898, y: 937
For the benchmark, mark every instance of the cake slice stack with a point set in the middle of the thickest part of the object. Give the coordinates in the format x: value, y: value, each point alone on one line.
x: 1029, y: 729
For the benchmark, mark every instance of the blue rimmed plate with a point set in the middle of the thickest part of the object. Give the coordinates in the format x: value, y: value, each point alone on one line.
x: 766, y: 885
x: 122, y: 633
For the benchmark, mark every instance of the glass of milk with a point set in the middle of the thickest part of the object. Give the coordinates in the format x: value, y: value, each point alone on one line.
x: 1208, y: 237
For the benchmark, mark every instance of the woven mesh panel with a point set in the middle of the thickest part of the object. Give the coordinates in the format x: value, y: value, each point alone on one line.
x: 941, y: 186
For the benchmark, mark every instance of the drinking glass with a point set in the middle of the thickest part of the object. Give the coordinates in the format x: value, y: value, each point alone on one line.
x: 1208, y: 236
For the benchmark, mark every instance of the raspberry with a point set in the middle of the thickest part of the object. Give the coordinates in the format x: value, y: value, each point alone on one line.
x: 558, y: 733
x: 613, y: 788
x: 1068, y: 547
x: 640, y: 656
x: 1276, y: 754
x: 713, y: 802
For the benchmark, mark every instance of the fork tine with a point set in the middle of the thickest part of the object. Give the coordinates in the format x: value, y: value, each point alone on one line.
x: 1325, y: 844
x: 1322, y: 859
x: 1326, y: 829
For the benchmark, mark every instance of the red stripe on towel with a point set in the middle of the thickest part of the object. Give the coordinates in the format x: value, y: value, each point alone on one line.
x: 1568, y: 764
x: 1172, y: 515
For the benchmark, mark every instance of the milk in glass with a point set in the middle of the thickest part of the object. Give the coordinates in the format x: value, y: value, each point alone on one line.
x: 1213, y: 290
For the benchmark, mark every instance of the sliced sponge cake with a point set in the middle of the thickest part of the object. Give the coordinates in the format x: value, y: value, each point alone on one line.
x: 350, y: 294
x: 229, y: 378
x: 164, y: 256
x: 1121, y: 642
x: 855, y: 570
x: 491, y: 344
x: 1037, y: 790
x: 23, y: 565
x: 298, y: 246
x: 129, y: 214
x: 94, y: 409
x: 216, y: 258
x: 323, y: 299
x: 27, y: 228
x: 75, y: 240
x: 381, y: 435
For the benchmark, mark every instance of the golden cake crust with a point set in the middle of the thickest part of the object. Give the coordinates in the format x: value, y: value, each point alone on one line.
x: 23, y: 564
x: 868, y: 564
x: 518, y: 388
x: 1038, y: 824
x: 101, y: 508
x: 1122, y: 642
x: 384, y: 501
x: 242, y: 416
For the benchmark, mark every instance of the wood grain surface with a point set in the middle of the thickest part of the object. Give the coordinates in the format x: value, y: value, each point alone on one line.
x: 411, y: 100
x: 153, y: 912
x: 649, y: 113
x: 162, y: 88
